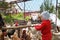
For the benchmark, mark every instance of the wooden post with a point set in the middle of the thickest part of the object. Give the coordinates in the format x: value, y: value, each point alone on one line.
x: 19, y: 32
x: 57, y: 14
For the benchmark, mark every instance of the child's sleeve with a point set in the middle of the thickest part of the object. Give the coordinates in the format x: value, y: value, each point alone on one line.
x: 40, y: 27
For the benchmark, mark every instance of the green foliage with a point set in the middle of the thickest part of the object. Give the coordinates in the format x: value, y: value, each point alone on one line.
x: 27, y: 18
x: 59, y: 12
x: 11, y: 17
x: 41, y: 8
x: 47, y: 6
x: 18, y: 16
x: 8, y: 18
x: 4, y: 5
x: 51, y: 9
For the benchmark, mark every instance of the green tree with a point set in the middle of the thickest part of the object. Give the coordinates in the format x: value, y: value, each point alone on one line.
x: 59, y: 11
x: 47, y: 6
x: 3, y: 5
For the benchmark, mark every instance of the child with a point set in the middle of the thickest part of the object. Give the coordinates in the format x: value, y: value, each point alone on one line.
x: 45, y: 26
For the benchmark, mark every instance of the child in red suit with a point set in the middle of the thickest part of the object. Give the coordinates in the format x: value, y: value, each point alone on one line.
x: 45, y: 26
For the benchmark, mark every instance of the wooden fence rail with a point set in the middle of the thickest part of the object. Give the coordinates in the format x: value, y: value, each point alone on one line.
x: 17, y: 28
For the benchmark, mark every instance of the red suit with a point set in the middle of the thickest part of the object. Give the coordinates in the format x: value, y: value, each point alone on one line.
x: 45, y: 29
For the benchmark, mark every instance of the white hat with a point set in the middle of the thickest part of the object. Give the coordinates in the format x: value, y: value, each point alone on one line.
x: 45, y: 15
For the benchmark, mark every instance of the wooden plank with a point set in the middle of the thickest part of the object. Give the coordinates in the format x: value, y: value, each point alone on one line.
x: 22, y: 26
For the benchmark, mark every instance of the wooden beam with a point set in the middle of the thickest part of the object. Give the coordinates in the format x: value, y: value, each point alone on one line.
x: 22, y: 26
x: 13, y: 2
x: 19, y: 7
